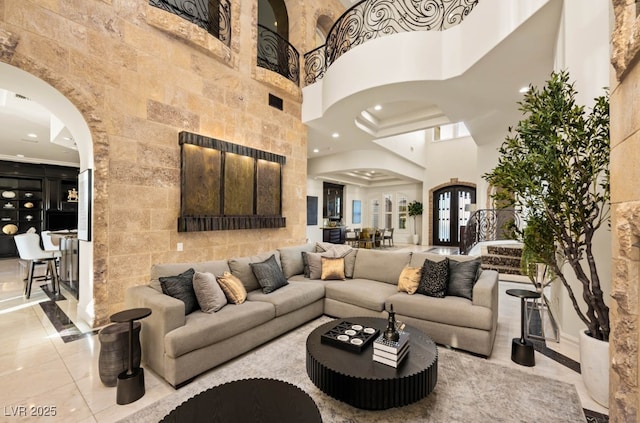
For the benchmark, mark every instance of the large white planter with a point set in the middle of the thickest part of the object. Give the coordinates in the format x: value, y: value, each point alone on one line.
x: 594, y: 365
x: 416, y: 239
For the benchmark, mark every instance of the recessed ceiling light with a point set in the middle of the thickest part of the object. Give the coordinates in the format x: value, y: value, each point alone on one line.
x: 377, y: 107
x: 524, y: 90
x: 20, y: 155
x: 315, y: 150
x: 32, y: 135
x: 335, y: 135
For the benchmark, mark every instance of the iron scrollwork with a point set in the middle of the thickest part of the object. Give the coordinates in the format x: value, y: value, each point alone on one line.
x: 490, y: 225
x: 371, y: 19
x: 212, y: 15
x: 278, y: 55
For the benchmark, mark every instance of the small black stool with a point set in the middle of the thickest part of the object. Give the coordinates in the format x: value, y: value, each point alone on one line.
x: 114, y: 351
x: 521, y: 349
x: 131, y: 381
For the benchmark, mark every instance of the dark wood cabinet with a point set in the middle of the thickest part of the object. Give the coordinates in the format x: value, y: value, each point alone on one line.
x: 334, y: 235
x: 34, y: 196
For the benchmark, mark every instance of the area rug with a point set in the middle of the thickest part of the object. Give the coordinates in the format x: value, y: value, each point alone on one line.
x: 469, y: 389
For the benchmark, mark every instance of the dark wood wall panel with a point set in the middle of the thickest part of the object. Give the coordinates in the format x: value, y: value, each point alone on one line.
x: 201, y: 187
x: 239, y: 175
x: 226, y: 186
x: 268, y: 187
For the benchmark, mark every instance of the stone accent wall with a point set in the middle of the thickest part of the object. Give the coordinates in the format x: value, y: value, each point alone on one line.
x: 139, y: 76
x: 624, y: 396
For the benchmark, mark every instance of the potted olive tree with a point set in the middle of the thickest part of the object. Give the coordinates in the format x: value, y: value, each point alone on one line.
x: 415, y: 209
x: 554, y: 165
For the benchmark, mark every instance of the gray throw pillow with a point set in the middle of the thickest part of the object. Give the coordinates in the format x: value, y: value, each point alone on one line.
x: 313, y: 263
x: 462, y: 276
x: 181, y: 287
x: 434, y: 277
x: 208, y: 292
x: 269, y: 275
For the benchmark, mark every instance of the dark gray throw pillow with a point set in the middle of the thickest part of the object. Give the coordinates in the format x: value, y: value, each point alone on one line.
x: 434, y: 277
x: 269, y: 274
x: 462, y: 276
x: 181, y: 287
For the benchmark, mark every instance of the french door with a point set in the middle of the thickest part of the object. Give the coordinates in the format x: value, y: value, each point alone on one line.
x: 450, y: 212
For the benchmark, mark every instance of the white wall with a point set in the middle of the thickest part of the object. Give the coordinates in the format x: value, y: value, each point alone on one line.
x: 583, y: 50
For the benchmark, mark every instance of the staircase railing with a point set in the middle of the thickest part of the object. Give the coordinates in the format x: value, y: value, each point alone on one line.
x: 489, y: 225
x: 371, y: 19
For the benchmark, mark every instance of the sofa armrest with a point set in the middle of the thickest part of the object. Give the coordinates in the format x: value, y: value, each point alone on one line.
x: 485, y: 290
x: 167, y: 314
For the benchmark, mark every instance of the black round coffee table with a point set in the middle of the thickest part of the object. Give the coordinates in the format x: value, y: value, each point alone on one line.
x: 354, y: 378
x: 248, y: 400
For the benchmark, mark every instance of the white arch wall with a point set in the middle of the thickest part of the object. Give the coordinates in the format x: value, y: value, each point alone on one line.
x: 17, y: 80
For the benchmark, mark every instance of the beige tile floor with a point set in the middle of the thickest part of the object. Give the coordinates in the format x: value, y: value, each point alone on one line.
x: 38, y: 369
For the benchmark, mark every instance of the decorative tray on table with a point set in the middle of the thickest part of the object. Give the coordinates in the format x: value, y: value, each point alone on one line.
x: 349, y: 336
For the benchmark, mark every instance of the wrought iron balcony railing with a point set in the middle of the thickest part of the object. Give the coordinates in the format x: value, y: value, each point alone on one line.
x: 211, y: 15
x: 371, y: 19
x: 278, y: 55
x: 489, y: 225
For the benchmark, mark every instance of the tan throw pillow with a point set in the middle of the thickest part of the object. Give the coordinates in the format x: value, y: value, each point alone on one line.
x: 233, y: 288
x: 409, y: 280
x: 332, y: 268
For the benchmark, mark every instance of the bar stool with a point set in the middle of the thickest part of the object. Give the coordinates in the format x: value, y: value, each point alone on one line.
x: 29, y: 249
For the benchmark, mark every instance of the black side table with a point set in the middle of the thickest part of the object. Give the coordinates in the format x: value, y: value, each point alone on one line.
x: 522, y: 349
x: 131, y: 381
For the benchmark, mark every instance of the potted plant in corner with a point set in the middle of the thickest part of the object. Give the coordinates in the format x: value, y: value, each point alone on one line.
x: 554, y: 165
x: 415, y: 209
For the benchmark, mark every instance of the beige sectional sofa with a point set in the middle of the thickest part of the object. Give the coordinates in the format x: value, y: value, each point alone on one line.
x: 180, y: 347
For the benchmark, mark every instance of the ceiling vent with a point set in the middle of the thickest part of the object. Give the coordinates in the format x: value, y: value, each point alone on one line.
x: 21, y: 97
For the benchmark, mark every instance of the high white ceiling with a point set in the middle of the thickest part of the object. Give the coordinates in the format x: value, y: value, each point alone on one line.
x: 30, y: 133
x: 484, y: 97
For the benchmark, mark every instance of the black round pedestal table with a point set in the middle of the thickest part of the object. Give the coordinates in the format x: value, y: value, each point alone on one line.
x: 131, y: 381
x: 248, y: 400
x: 522, y: 351
x: 354, y: 378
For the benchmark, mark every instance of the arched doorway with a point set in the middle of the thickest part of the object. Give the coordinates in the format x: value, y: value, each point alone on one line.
x: 451, y: 210
x: 273, y: 15
x: 51, y: 98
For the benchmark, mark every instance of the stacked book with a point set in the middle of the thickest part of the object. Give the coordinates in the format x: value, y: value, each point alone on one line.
x: 389, y: 352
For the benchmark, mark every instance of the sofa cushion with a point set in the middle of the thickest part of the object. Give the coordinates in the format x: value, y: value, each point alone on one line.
x: 434, y: 278
x: 340, y: 250
x: 462, y: 276
x: 217, y: 267
x: 181, y: 287
x: 383, y: 266
x: 291, y: 259
x: 332, y: 268
x: 233, y: 288
x: 202, y: 330
x: 361, y: 292
x: 314, y: 263
x: 211, y: 297
x: 292, y: 297
x: 269, y: 274
x: 456, y: 311
x: 409, y: 279
x: 242, y: 270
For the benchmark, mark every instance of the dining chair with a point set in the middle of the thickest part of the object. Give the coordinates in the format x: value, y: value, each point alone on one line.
x: 387, y: 237
x: 29, y: 249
